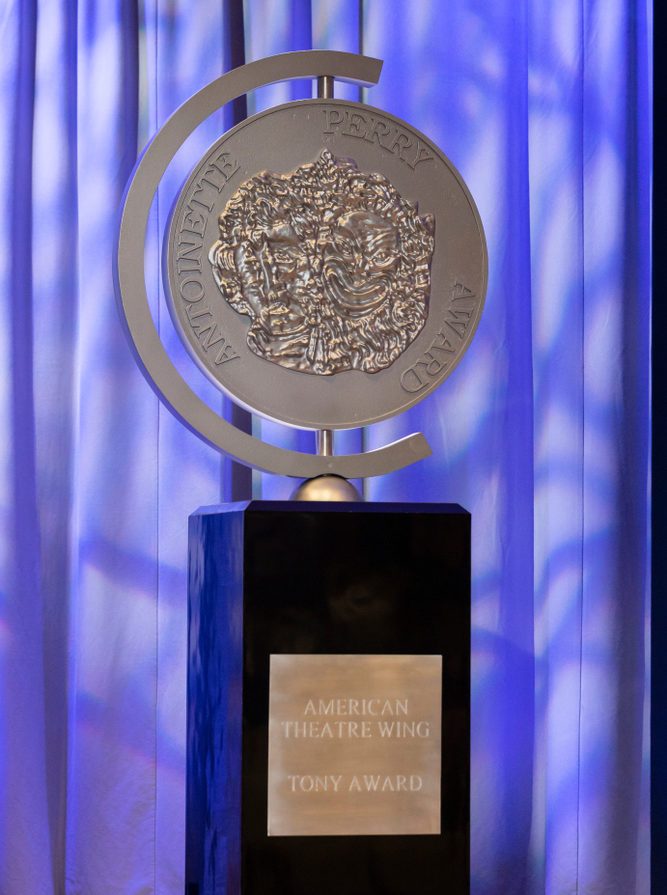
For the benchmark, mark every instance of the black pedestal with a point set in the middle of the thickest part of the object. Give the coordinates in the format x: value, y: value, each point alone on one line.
x: 336, y: 579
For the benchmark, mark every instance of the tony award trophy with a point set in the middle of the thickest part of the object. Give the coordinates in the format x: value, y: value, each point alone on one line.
x: 325, y: 266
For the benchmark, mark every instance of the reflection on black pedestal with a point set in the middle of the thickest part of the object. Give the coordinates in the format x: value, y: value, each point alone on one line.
x: 270, y: 578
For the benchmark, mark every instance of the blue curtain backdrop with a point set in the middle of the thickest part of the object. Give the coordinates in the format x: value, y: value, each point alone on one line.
x: 542, y: 432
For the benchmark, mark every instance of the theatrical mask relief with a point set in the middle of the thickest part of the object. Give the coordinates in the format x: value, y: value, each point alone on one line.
x: 330, y: 263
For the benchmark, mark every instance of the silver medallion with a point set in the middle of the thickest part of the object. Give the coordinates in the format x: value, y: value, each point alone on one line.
x: 325, y: 264
x: 329, y: 263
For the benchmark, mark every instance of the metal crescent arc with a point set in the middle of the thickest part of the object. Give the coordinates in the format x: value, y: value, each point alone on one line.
x: 130, y: 282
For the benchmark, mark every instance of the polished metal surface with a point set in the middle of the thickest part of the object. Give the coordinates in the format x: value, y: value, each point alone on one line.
x: 354, y: 745
x: 326, y: 264
x: 325, y: 87
x: 330, y: 264
x: 325, y: 442
x: 327, y: 488
x: 131, y: 285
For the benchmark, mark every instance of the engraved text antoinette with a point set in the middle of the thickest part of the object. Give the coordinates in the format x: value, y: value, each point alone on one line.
x: 320, y: 273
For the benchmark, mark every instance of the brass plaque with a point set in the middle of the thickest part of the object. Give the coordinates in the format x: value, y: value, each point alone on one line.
x: 354, y: 745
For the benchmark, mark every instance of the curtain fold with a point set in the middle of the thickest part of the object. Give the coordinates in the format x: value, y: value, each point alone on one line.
x: 541, y: 432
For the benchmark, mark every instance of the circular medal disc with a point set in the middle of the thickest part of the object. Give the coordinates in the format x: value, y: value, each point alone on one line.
x: 325, y: 264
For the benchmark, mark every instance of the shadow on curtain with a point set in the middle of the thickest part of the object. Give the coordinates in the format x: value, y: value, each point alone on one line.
x: 542, y: 432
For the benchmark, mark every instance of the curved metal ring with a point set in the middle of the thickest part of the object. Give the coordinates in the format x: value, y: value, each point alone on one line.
x: 130, y: 282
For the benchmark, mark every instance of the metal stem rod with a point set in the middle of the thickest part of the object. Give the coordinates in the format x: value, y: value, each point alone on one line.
x: 325, y: 87
x: 325, y: 90
x: 325, y: 439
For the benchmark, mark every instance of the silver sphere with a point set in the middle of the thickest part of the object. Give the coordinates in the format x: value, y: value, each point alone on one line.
x: 327, y: 488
